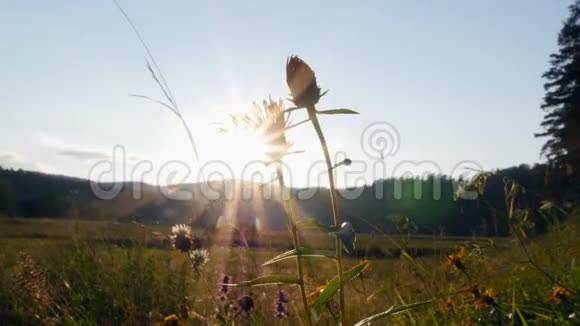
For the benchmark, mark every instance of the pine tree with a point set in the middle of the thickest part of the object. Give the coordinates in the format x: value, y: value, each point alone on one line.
x: 562, y: 99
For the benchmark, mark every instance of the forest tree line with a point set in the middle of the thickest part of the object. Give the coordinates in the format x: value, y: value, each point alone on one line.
x: 427, y: 205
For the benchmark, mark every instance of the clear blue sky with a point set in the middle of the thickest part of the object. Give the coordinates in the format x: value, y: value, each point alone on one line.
x: 460, y: 80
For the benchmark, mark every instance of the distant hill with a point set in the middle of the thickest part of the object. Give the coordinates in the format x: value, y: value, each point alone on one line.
x: 33, y: 194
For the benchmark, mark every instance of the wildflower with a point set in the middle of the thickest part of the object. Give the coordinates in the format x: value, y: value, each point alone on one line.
x: 474, y: 289
x: 559, y: 294
x: 455, y: 259
x: 246, y: 303
x: 281, y: 305
x: 171, y: 320
x: 223, y: 289
x: 486, y: 298
x: 304, y: 90
x: 181, y: 237
x: 448, y: 305
x: 198, y: 257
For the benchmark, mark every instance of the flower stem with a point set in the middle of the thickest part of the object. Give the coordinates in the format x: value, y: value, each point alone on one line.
x: 333, y: 200
x: 291, y: 219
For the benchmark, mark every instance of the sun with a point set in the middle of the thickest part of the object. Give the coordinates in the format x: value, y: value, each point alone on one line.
x: 238, y: 154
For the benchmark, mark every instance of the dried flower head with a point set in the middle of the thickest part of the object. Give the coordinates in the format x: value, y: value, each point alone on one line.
x: 281, y: 305
x: 198, y: 257
x: 246, y: 303
x: 455, y: 259
x: 559, y: 294
x: 181, y: 237
x: 269, y: 121
x: 304, y: 90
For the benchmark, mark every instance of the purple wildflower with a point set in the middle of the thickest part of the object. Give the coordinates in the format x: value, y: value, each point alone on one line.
x: 223, y: 290
x: 281, y: 305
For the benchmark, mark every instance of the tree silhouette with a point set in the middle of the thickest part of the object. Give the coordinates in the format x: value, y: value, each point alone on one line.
x: 562, y: 99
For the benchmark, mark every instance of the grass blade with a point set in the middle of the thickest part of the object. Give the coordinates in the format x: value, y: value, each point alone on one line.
x: 391, y: 311
x: 268, y: 280
x: 522, y: 319
x: 302, y: 252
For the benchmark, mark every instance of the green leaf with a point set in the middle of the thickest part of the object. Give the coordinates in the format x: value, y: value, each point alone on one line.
x: 391, y: 311
x: 268, y: 280
x: 302, y: 252
x: 333, y: 286
x: 337, y: 111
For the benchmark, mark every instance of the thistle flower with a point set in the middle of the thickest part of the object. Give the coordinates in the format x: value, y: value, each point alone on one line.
x: 181, y: 237
x: 455, y: 259
x: 281, y: 305
x: 304, y: 90
x: 198, y: 257
x: 559, y: 294
x: 246, y: 303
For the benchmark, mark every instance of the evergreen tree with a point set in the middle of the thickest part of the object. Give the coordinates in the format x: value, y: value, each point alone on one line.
x: 562, y: 100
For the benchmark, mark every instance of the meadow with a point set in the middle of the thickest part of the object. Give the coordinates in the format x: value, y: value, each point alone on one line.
x: 77, y: 272
x: 319, y: 267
